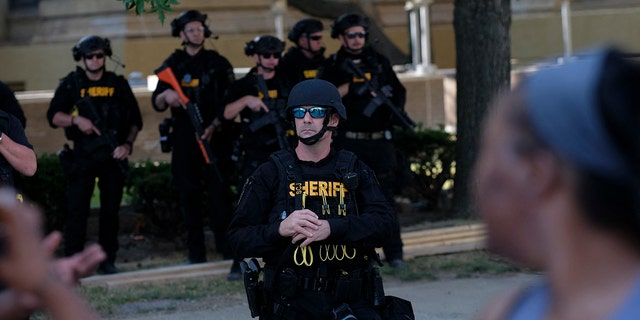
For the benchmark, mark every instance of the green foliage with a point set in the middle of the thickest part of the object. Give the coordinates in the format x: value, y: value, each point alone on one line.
x: 151, y: 6
x: 430, y: 157
x: 152, y: 195
x: 148, y: 189
x: 47, y: 189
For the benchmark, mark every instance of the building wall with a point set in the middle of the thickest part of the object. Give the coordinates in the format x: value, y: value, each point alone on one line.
x: 38, y: 49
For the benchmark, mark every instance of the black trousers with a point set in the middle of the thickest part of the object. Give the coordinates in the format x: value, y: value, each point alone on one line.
x: 80, y: 185
x: 201, y: 191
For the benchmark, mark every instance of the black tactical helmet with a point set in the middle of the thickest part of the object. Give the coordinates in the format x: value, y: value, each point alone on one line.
x: 316, y: 92
x: 303, y: 26
x: 263, y: 44
x: 185, y: 17
x: 89, y: 44
x: 347, y: 21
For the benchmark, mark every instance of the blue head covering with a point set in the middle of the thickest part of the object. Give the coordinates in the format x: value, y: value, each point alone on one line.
x: 563, y: 109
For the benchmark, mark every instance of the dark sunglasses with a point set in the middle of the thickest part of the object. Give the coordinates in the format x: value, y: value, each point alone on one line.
x: 353, y: 35
x: 315, y: 38
x: 269, y: 55
x: 90, y: 56
x: 314, y: 112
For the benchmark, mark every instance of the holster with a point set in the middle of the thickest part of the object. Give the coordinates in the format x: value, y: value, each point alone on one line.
x: 377, y: 289
x: 287, y: 283
x: 68, y: 162
x: 253, y: 286
x: 348, y: 287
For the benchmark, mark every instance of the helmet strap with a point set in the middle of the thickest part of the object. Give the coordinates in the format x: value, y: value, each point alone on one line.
x: 316, y: 137
x: 189, y: 43
x: 316, y: 52
x: 264, y: 69
x: 94, y: 71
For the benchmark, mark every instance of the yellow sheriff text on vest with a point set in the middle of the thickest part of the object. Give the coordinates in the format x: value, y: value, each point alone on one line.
x: 273, y: 94
x: 97, y: 92
x: 310, y: 74
x: 318, y: 188
x: 194, y: 83
x: 359, y: 80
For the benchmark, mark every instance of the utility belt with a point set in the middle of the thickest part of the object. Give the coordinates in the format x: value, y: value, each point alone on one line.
x: 376, y: 135
x: 268, y: 295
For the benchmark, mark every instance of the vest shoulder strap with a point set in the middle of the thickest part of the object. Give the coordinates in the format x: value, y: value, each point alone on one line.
x: 346, y: 163
x: 288, y: 171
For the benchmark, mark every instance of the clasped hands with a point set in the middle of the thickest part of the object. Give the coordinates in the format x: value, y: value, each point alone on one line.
x: 304, y: 225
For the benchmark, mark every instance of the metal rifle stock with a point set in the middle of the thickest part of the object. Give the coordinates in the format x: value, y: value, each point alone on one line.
x: 381, y: 96
x: 105, y: 134
x: 273, y: 117
x: 165, y: 74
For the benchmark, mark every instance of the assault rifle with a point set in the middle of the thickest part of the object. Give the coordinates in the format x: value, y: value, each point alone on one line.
x: 107, y: 136
x: 274, y: 117
x: 166, y: 75
x: 381, y: 97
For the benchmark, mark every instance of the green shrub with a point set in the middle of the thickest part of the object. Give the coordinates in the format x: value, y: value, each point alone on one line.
x: 148, y: 188
x: 47, y: 188
x: 429, y: 156
x: 152, y: 195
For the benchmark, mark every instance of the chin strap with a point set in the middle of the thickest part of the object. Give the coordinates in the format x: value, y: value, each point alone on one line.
x: 96, y: 71
x: 316, y: 137
x: 189, y: 43
x: 315, y: 53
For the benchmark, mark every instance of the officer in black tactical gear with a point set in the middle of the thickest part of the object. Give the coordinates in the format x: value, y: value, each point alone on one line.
x: 204, y: 76
x: 16, y: 153
x: 10, y: 104
x: 100, y: 114
x: 259, y: 98
x: 315, y: 216
x: 301, y: 62
x: 369, y: 137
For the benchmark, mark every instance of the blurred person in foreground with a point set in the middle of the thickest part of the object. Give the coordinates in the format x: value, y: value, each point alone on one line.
x: 558, y: 184
x: 34, y: 279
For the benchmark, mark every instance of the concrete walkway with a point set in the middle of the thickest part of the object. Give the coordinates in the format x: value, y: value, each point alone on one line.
x: 432, y: 300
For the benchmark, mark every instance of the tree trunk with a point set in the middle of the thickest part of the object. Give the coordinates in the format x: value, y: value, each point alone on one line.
x: 483, y: 69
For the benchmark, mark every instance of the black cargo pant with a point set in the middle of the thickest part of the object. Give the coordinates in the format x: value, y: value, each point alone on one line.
x: 80, y: 184
x: 200, y: 191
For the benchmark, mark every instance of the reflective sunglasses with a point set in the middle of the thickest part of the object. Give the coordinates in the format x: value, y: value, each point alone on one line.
x: 269, y: 55
x: 90, y: 56
x: 315, y: 38
x: 194, y: 29
x: 314, y: 112
x: 353, y: 35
